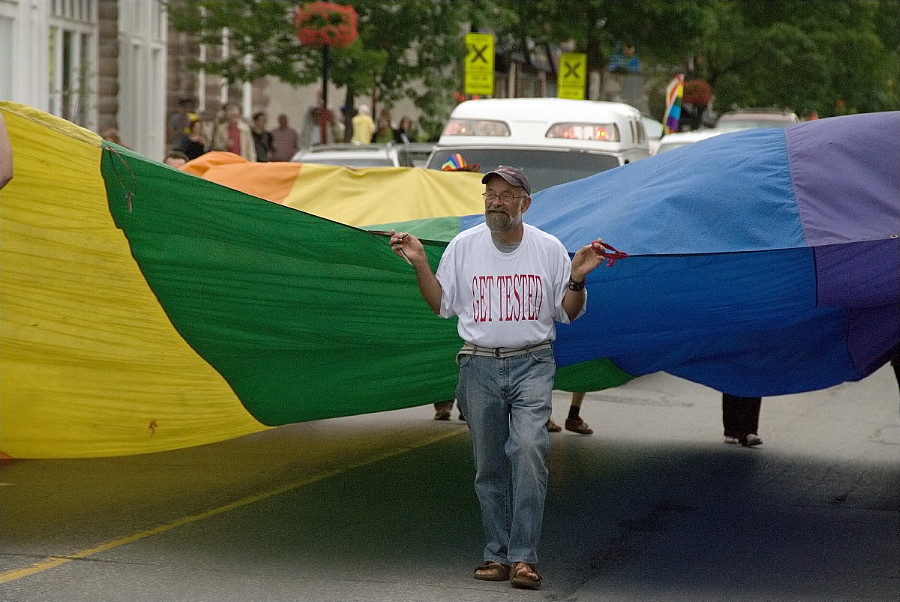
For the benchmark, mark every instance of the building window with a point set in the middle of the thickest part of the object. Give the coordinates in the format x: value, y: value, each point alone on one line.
x: 6, y: 55
x: 72, y: 60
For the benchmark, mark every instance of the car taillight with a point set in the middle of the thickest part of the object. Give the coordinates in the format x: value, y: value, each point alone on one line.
x: 602, y: 132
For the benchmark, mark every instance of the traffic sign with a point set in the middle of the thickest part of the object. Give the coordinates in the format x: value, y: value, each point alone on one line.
x: 480, y: 63
x: 571, y: 75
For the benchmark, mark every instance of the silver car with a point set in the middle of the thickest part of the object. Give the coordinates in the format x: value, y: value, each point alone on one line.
x: 355, y: 155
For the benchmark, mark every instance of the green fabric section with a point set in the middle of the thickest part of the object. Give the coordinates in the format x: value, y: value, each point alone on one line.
x: 305, y: 318
x: 594, y: 375
x: 433, y: 228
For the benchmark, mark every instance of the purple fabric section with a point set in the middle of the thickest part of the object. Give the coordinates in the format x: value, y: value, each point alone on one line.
x: 864, y: 277
x: 846, y: 177
x: 871, y: 331
x: 864, y: 274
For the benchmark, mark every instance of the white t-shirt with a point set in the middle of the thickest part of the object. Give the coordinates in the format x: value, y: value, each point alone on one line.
x: 504, y: 299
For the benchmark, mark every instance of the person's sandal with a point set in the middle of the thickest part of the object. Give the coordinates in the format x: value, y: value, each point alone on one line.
x: 552, y: 426
x: 525, y: 577
x: 442, y: 415
x: 751, y: 440
x: 577, y: 425
x: 492, y: 571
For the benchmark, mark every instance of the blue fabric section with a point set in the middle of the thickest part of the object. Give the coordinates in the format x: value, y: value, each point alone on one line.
x: 468, y: 221
x: 729, y: 193
x: 722, y: 287
x: 745, y: 323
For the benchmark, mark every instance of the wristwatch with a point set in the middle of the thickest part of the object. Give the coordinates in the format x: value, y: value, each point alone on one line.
x: 575, y: 286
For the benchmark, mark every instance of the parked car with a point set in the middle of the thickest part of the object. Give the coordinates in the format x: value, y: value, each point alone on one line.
x: 355, y: 155
x: 679, y: 139
x: 654, y: 131
x: 553, y: 140
x: 418, y: 152
x: 756, y: 118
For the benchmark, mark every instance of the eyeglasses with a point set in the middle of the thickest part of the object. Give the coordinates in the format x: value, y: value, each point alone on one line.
x: 506, y: 197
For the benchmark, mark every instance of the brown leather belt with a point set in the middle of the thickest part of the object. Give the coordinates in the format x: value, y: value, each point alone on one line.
x: 502, y: 352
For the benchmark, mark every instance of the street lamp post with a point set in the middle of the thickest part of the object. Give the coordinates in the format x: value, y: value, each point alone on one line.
x: 325, y: 25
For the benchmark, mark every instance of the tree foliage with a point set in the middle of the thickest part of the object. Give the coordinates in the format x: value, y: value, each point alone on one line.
x: 831, y: 57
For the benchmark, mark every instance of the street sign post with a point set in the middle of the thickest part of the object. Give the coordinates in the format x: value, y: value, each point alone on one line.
x: 571, y: 75
x: 480, y: 63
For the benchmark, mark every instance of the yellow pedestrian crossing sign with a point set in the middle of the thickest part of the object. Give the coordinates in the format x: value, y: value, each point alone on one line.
x: 479, y: 63
x: 571, y: 75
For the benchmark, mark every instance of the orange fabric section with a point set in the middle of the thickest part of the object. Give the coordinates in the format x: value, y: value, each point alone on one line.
x: 270, y: 181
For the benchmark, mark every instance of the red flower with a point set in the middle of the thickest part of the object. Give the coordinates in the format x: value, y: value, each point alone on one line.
x: 326, y: 24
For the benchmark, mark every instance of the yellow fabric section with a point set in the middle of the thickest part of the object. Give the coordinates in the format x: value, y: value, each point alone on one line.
x: 379, y: 195
x: 356, y: 197
x: 90, y: 365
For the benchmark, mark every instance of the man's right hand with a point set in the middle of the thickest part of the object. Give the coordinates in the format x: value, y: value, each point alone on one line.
x: 408, y: 247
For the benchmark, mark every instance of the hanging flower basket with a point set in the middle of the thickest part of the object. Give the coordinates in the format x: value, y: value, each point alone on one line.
x: 322, y: 24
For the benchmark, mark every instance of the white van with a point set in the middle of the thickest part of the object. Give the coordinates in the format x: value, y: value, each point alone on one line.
x: 553, y: 140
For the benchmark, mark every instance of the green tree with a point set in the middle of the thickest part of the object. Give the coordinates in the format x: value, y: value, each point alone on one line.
x: 661, y: 30
x: 829, y: 57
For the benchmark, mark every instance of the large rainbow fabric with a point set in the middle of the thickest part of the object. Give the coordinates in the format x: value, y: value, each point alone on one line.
x: 146, y: 308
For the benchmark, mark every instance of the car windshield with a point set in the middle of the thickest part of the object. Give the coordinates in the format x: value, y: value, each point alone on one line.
x: 545, y: 168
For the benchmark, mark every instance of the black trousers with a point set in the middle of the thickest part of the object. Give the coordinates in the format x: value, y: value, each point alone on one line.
x: 740, y: 415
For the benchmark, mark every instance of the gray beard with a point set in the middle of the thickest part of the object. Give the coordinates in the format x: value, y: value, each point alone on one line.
x: 499, y: 222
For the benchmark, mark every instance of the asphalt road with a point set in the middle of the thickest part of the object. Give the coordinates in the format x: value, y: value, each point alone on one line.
x: 653, y: 506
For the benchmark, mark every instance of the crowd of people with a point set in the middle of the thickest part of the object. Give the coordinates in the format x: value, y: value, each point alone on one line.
x: 191, y: 135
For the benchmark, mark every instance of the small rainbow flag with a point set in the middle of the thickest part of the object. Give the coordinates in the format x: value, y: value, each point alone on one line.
x: 454, y: 163
x: 674, y: 94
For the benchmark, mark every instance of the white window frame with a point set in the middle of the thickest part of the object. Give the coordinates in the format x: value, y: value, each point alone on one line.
x: 72, y: 69
x: 143, y: 34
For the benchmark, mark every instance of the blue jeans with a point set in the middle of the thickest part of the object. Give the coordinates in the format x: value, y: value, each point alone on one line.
x: 507, y: 403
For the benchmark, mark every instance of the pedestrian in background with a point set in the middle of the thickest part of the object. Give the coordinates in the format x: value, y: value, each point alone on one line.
x: 175, y: 158
x: 180, y: 120
x: 194, y: 143
x: 404, y: 134
x: 573, y: 421
x: 363, y: 125
x: 740, y: 417
x: 112, y: 135
x: 285, y: 140
x: 506, y: 364
x: 262, y: 139
x: 233, y: 135
x: 383, y: 132
x: 6, y: 155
